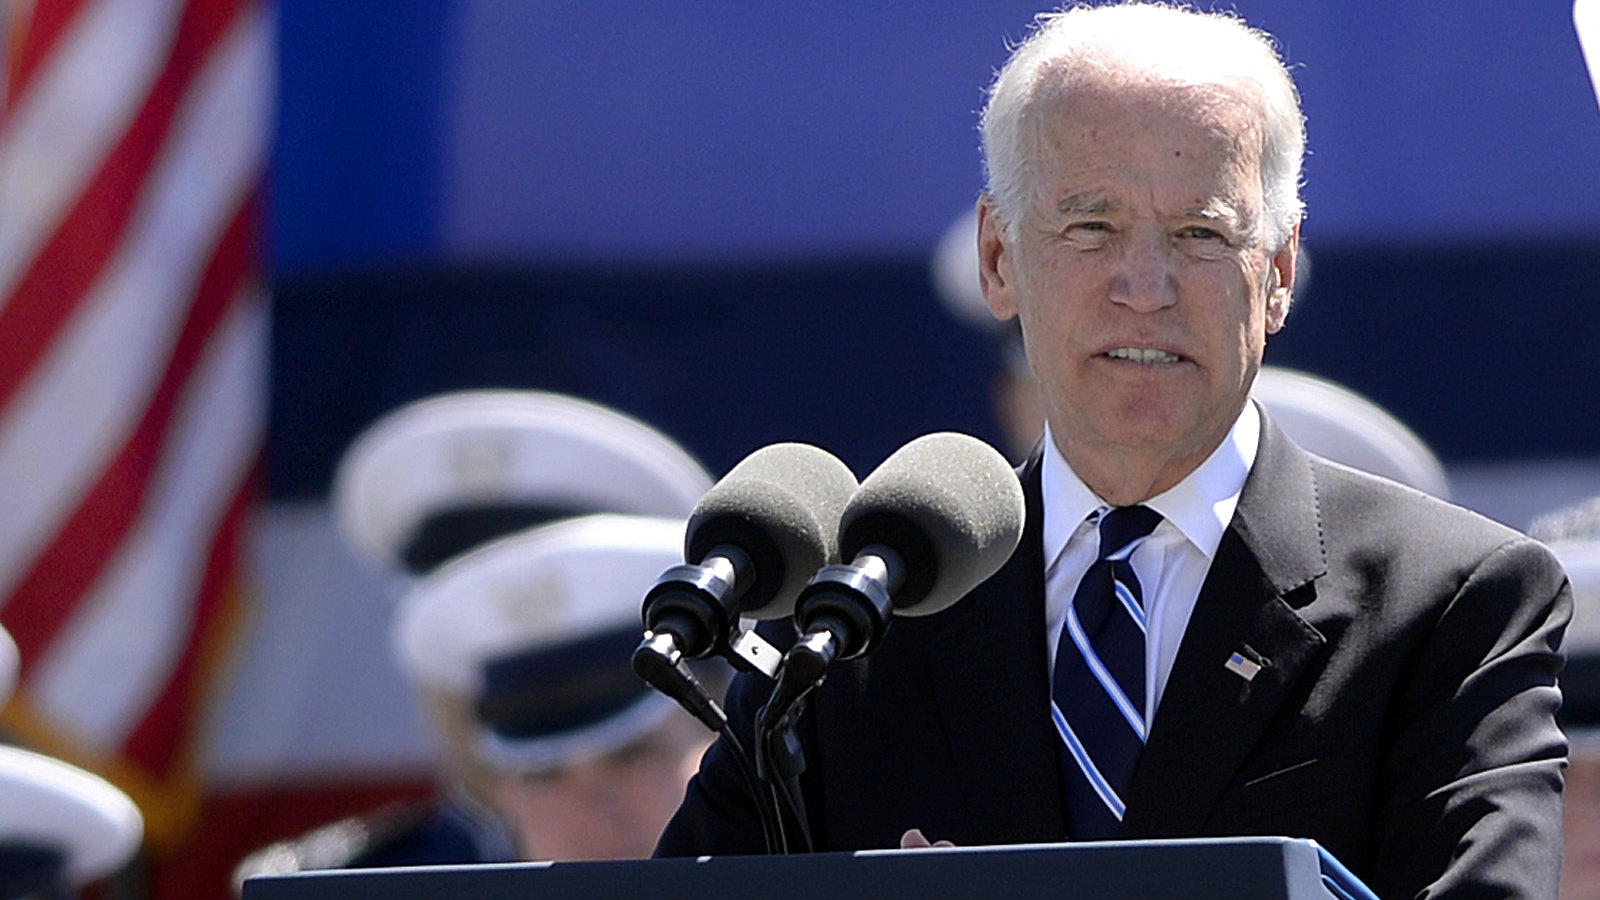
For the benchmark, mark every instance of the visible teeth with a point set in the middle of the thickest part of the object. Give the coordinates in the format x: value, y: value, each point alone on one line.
x: 1143, y: 355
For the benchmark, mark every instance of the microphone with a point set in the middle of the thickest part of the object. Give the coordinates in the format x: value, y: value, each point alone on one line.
x: 750, y: 544
x: 938, y: 517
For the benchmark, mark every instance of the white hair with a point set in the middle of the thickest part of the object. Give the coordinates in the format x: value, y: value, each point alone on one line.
x: 1145, y: 42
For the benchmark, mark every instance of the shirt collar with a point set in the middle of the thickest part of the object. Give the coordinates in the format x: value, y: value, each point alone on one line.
x: 1200, y: 506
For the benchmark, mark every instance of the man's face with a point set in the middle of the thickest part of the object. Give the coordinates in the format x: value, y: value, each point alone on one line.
x: 610, y: 807
x: 1140, y: 273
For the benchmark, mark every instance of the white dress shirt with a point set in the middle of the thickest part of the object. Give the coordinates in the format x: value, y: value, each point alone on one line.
x: 1171, y: 563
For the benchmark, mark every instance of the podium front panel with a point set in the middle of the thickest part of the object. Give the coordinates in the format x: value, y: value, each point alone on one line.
x: 1198, y: 869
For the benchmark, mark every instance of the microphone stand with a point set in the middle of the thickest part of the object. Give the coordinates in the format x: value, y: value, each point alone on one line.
x: 780, y: 758
x: 658, y: 662
x: 842, y: 612
x: 692, y: 611
x: 780, y: 761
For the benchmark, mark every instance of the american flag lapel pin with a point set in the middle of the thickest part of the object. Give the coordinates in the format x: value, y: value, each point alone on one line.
x: 1246, y: 663
x: 1244, y: 668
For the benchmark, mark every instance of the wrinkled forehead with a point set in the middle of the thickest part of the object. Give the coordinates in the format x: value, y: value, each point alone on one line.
x: 1228, y: 110
x: 1201, y: 135
x: 1183, y: 152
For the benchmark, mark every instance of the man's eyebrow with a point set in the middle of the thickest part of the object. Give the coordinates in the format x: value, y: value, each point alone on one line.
x: 1216, y: 209
x: 1084, y: 205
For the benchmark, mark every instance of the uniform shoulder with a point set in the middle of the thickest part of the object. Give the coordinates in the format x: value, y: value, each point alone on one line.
x: 340, y: 844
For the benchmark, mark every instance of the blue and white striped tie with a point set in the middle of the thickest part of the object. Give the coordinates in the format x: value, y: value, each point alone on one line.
x: 1098, y: 689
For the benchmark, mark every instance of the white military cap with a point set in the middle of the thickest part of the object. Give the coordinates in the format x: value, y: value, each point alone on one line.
x: 1333, y: 421
x: 954, y: 270
x: 1580, y: 677
x: 60, y: 826
x: 10, y: 662
x: 1581, y: 558
x: 443, y: 474
x: 76, y: 826
x: 1573, y: 533
x: 539, y: 628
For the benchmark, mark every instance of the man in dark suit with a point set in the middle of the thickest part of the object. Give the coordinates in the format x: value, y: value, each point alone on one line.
x: 1316, y: 652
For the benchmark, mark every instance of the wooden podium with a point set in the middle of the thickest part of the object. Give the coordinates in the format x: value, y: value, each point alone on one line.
x: 1196, y: 869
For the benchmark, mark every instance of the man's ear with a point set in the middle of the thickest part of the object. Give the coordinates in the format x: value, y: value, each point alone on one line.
x: 1281, y: 294
x: 995, y: 274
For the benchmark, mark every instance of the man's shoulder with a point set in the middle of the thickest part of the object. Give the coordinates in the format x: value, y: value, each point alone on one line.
x: 1360, y: 508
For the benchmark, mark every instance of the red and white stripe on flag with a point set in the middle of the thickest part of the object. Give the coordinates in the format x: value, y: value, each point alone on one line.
x: 133, y: 341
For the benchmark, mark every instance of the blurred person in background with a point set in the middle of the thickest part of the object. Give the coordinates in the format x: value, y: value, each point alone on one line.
x: 531, y: 636
x: 64, y: 832
x: 520, y: 530
x: 1573, y: 534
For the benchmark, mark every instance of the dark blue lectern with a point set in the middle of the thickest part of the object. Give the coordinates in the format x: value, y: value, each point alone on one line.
x: 1198, y: 869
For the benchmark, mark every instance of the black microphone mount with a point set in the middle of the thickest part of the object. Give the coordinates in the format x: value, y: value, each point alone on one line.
x: 691, y: 612
x: 841, y: 614
x: 698, y: 605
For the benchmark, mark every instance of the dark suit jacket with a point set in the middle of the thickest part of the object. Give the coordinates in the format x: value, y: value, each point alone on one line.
x: 1405, y: 719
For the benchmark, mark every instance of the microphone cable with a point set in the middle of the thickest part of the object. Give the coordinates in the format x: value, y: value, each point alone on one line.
x: 659, y: 663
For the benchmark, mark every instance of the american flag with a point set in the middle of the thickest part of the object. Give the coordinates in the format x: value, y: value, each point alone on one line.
x: 133, y: 341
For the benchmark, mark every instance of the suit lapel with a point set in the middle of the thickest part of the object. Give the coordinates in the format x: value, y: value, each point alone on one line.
x: 996, y: 715
x: 1211, y: 716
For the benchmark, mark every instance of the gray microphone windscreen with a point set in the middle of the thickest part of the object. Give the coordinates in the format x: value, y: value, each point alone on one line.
x: 950, y: 505
x: 781, y: 506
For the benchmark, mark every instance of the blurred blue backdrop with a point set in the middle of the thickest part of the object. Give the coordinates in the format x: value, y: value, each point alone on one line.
x: 718, y: 216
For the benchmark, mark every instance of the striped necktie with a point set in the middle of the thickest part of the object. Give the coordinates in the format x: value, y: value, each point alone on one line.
x: 1098, y: 687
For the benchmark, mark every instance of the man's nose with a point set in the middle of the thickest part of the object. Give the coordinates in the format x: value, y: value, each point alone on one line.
x: 1145, y: 278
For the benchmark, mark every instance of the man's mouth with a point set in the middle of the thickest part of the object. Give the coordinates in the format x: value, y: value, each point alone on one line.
x: 1144, y: 355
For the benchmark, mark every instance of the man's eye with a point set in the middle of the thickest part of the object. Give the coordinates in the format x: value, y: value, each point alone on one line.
x: 1200, y: 233
x: 1089, y: 234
